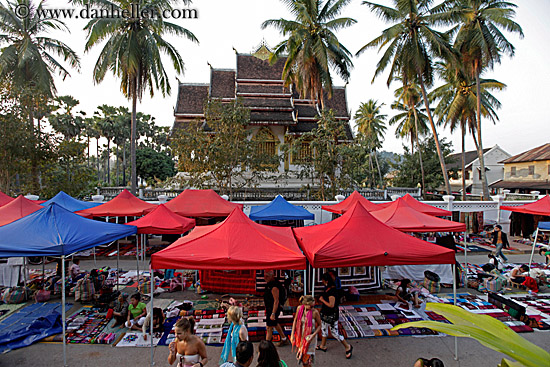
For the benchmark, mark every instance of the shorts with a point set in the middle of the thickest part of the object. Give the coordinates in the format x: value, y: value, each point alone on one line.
x: 268, y: 320
x: 133, y: 322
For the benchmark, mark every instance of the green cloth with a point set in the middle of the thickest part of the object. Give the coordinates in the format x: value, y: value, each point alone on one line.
x: 138, y: 310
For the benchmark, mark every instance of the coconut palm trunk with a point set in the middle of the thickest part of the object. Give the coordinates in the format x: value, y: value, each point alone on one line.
x: 434, y: 131
x: 419, y: 149
x: 463, y: 131
x: 484, y: 185
x: 133, y: 175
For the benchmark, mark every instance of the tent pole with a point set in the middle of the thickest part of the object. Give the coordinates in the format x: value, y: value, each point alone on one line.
x: 305, y: 280
x: 534, y: 245
x: 454, y: 302
x: 313, y: 284
x: 151, y: 318
x: 137, y: 260
x: 63, y: 317
x: 466, y: 254
x: 25, y: 277
x: 43, y: 272
x: 117, y: 265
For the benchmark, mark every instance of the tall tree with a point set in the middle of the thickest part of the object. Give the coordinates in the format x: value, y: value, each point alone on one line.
x: 65, y: 121
x: 481, y: 43
x: 371, y: 125
x: 29, y: 59
x: 133, y: 52
x: 106, y: 117
x: 457, y: 106
x: 411, y: 45
x: 312, y: 48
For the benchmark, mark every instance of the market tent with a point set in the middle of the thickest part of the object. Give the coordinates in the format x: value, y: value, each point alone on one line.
x: 539, y: 207
x: 17, y: 209
x: 123, y: 205
x: 55, y: 231
x: 425, y: 208
x: 348, y: 203
x: 544, y: 226
x: 201, y: 203
x: 237, y: 243
x: 5, y: 199
x: 280, y: 209
x: 357, y: 238
x: 163, y: 221
x: 70, y: 203
x: 399, y: 215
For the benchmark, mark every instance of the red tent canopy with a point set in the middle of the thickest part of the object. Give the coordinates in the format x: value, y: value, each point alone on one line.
x: 163, y: 221
x: 237, y: 243
x: 359, y: 239
x: 399, y: 215
x: 17, y: 209
x: 4, y: 199
x: 539, y: 207
x: 345, y: 205
x: 123, y: 205
x: 425, y: 208
x: 201, y: 203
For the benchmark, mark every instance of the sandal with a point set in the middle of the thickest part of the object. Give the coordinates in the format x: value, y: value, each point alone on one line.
x: 321, y: 349
x: 349, y: 352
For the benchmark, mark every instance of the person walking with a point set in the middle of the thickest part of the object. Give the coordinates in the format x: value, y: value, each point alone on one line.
x: 330, y: 315
x: 500, y: 240
x: 305, y: 328
x: 237, y: 333
x: 274, y: 297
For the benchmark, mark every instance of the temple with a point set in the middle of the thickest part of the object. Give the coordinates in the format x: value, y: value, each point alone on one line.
x: 277, y: 113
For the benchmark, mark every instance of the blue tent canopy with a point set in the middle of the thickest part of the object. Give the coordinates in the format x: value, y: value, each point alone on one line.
x: 70, y: 203
x: 55, y: 231
x: 544, y: 225
x: 279, y: 209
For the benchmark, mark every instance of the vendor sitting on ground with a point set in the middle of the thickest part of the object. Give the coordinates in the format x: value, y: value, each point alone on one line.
x: 158, y: 322
x: 546, y: 253
x: 518, y: 274
x: 120, y: 309
x: 74, y: 271
x: 136, y: 312
x: 404, y: 295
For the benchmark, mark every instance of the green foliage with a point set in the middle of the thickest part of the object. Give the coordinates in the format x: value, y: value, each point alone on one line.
x: 408, y: 172
x: 219, y: 152
x: 65, y: 122
x: 312, y: 48
x: 487, y: 330
x: 153, y: 165
x: 69, y: 172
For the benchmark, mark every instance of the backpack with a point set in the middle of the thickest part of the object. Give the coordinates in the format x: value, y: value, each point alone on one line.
x: 283, y: 295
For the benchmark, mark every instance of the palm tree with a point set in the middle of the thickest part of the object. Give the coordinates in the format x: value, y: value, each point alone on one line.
x: 410, y: 96
x: 457, y: 104
x: 312, y: 48
x: 411, y: 122
x: 411, y: 45
x: 371, y: 125
x: 481, y: 43
x: 133, y: 52
x: 28, y: 59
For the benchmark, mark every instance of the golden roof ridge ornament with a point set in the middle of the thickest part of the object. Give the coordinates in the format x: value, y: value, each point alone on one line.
x: 262, y: 52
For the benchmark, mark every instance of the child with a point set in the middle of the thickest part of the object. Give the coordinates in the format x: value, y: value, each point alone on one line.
x: 136, y: 312
x: 403, y: 295
x: 158, y: 322
x: 306, y: 327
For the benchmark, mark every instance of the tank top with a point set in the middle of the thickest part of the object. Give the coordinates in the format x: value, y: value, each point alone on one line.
x: 187, y: 360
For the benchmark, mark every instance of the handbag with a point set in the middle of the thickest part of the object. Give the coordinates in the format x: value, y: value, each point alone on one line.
x: 329, y: 319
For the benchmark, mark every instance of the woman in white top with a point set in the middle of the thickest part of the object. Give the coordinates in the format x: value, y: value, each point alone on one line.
x: 188, y: 350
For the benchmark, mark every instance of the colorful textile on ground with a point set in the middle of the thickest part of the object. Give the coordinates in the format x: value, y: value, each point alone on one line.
x: 89, y: 326
x: 133, y: 339
x: 537, y: 308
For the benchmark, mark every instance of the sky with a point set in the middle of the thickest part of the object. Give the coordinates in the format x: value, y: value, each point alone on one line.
x: 224, y: 26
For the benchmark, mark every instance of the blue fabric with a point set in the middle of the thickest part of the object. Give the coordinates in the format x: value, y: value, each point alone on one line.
x: 279, y: 209
x: 69, y: 203
x: 55, y: 231
x: 30, y: 324
x: 544, y: 225
x: 231, y: 341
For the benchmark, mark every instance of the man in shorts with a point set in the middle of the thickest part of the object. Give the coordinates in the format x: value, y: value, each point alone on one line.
x: 273, y: 308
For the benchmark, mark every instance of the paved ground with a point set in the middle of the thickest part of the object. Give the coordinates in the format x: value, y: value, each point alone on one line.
x: 390, y: 351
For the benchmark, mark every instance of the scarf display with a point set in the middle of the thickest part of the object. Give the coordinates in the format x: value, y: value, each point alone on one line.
x: 230, y: 344
x: 301, y: 330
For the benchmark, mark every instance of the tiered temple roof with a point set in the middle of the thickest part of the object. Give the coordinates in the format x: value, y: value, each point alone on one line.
x: 260, y: 87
